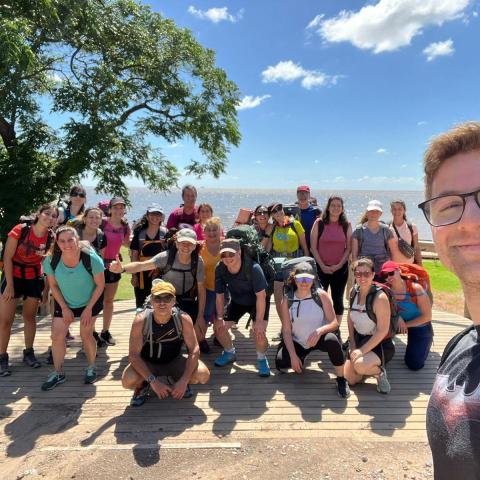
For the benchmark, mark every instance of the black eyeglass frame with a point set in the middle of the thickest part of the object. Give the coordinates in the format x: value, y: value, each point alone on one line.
x: 475, y: 194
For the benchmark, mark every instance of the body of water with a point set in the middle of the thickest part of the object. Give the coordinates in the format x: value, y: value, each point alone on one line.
x: 227, y: 202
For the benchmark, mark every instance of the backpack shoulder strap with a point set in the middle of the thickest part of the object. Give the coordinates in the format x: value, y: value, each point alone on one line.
x: 194, y: 264
x: 86, y: 260
x: 54, y: 261
x: 142, y: 235
x: 321, y: 228
x: 353, y: 294
x: 24, y: 232
x: 172, y: 251
x: 385, y: 239
x: 396, y: 230
x: 360, y: 238
x: 410, y: 227
x: 316, y: 297
x: 177, y: 320
x: 374, y: 290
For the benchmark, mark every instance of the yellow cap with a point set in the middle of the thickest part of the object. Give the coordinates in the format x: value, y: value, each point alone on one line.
x: 158, y: 288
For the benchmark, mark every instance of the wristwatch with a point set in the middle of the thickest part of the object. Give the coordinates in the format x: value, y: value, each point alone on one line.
x: 151, y: 378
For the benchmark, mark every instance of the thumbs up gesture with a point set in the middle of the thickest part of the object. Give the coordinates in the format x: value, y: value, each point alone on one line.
x: 116, y: 266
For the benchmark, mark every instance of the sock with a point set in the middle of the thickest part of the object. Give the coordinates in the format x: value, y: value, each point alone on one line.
x: 261, y: 356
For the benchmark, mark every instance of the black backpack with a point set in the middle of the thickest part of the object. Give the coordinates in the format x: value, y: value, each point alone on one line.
x: 84, y: 258
x: 374, y: 290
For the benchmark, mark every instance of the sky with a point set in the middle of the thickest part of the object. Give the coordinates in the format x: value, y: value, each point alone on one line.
x: 337, y: 94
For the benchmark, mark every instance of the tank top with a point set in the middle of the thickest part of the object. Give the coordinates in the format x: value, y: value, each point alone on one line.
x: 332, y: 244
x: 362, y: 323
x: 115, y: 237
x: 306, y: 317
x: 210, y: 261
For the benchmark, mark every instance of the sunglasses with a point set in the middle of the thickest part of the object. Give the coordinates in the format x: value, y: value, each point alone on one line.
x: 388, y: 274
x: 162, y: 298
x: 303, y: 279
x: 261, y: 212
x: 362, y: 274
x: 277, y: 210
x: 78, y: 194
x: 227, y: 255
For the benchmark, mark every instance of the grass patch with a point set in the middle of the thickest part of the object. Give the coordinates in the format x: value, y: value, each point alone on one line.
x: 441, y: 279
x: 125, y: 289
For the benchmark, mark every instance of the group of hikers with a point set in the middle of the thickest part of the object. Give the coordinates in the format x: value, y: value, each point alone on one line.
x: 191, y: 273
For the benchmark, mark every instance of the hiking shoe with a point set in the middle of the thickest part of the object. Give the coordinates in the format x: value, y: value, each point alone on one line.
x: 107, y: 338
x: 342, y: 387
x: 263, y: 368
x: 90, y: 374
x: 69, y: 336
x: 49, y: 360
x: 383, y: 385
x: 140, y: 395
x: 30, y: 359
x: 100, y: 342
x: 225, y: 358
x: 188, y: 392
x: 204, y: 346
x: 53, y: 380
x: 4, y: 368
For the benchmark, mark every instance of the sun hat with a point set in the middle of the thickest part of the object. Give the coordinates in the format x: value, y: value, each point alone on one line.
x: 374, y: 205
x: 187, y: 235
x: 155, y: 208
x: 162, y: 287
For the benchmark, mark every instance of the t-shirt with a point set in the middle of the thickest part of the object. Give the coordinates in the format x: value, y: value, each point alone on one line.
x: 453, y: 412
x: 178, y: 216
x: 405, y: 233
x: 374, y: 245
x: 182, y: 280
x: 30, y: 252
x: 115, y: 237
x: 285, y: 239
x: 76, y: 284
x: 307, y: 218
x: 210, y: 262
x: 242, y: 289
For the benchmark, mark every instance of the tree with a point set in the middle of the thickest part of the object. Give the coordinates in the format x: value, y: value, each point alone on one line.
x: 117, y: 74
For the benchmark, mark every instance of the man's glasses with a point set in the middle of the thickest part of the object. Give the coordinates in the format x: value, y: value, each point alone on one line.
x: 227, y: 255
x: 162, y: 298
x: 303, y: 279
x: 362, y: 274
x: 447, y: 209
x: 78, y: 194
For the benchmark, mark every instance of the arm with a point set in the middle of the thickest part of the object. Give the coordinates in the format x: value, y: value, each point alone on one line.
x: 395, y: 254
x: 99, y: 279
x: 424, y: 306
x: 134, y: 259
x: 9, y: 252
x: 418, y: 253
x: 202, y: 297
x: 57, y: 295
x: 266, y: 242
x: 351, y: 333
x: 303, y: 243
x: 330, y: 317
x: 287, y: 336
x: 134, y: 267
x: 355, y: 251
x: 314, y: 245
x: 381, y: 307
x: 126, y: 238
x: 260, y: 325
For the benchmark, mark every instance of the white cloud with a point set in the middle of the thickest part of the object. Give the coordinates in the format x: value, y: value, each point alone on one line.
x: 421, y: 123
x: 388, y: 24
x: 316, y: 162
x: 251, y: 102
x: 258, y: 162
x: 216, y: 14
x: 439, y: 49
x: 404, y: 165
x: 475, y: 14
x: 288, y: 71
x: 382, y: 151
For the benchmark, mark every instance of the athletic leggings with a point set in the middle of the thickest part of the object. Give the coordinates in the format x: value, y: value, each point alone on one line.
x: 337, y: 282
x: 329, y: 343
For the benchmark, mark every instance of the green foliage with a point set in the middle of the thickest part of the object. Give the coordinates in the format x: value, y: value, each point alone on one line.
x: 120, y: 74
x: 441, y: 279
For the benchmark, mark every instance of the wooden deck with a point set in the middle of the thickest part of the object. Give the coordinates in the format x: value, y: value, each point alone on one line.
x: 236, y: 404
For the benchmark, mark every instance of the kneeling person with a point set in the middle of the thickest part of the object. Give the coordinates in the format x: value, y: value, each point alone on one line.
x: 247, y: 286
x: 156, y: 340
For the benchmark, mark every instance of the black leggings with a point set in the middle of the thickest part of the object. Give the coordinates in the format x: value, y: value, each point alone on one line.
x: 329, y: 343
x: 337, y: 282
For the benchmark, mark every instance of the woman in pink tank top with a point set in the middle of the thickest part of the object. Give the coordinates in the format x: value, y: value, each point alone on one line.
x: 331, y: 239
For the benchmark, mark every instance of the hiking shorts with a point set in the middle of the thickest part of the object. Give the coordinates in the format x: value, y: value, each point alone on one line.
x: 385, y: 350
x: 236, y: 311
x: 77, y: 312
x: 24, y: 288
x: 175, y: 368
x: 111, y: 277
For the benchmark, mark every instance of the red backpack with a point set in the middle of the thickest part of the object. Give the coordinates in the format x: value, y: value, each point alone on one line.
x: 412, y: 274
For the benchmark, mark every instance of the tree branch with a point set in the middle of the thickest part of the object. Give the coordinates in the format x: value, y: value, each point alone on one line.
x: 7, y: 132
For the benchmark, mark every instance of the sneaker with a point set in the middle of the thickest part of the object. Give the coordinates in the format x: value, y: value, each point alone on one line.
x: 49, y: 360
x: 30, y: 359
x: 4, y: 368
x: 204, y: 346
x: 383, y: 385
x: 263, y: 368
x: 53, y: 380
x: 69, y: 336
x: 140, y: 395
x: 100, y: 342
x: 225, y: 358
x: 342, y: 387
x: 188, y: 392
x: 90, y: 374
x: 107, y: 338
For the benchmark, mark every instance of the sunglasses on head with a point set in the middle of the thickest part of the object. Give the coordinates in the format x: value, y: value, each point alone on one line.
x: 166, y: 298
x: 303, y: 279
x: 79, y: 194
x: 227, y: 255
x: 362, y: 274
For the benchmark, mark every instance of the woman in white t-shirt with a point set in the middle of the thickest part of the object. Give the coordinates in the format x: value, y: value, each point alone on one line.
x: 309, y: 323
x: 406, y: 231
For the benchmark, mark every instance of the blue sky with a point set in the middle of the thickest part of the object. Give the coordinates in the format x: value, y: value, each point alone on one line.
x: 337, y: 94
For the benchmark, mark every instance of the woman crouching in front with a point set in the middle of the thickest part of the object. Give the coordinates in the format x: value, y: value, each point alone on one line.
x: 370, y: 347
x: 76, y: 279
x: 308, y: 324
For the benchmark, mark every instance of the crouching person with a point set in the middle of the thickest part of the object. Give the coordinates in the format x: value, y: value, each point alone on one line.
x: 156, y: 339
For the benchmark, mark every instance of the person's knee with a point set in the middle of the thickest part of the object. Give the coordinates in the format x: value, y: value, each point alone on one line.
x: 414, y: 363
x: 58, y: 334
x: 86, y: 334
x: 202, y: 375
x: 130, y: 378
x: 361, y: 367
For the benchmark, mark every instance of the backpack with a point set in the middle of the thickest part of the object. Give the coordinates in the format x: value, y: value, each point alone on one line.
x: 142, y: 238
x: 289, y: 265
x: 374, y: 290
x: 26, y: 226
x: 148, y: 328
x: 292, y: 211
x: 413, y: 273
x: 84, y: 258
x: 100, y: 236
x: 252, y: 250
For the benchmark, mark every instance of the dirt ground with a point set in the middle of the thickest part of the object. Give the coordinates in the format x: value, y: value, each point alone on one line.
x: 321, y: 458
